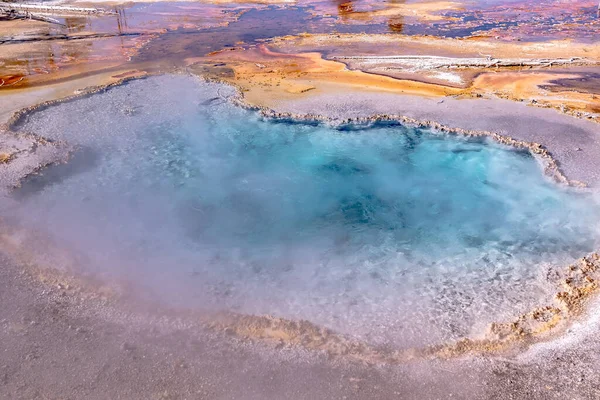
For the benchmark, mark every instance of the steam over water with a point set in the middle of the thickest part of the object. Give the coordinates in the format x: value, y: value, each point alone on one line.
x: 392, y: 234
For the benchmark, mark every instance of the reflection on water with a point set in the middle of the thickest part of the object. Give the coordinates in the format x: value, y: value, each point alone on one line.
x: 49, y: 48
x: 347, y: 10
x: 396, y: 23
x: 251, y: 27
x: 176, y: 30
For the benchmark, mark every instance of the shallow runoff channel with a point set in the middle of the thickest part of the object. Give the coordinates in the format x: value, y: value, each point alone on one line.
x: 395, y: 235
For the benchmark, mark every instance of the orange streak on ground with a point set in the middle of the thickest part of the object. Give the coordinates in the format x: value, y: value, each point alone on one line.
x: 529, y: 86
x: 266, y: 76
x: 519, y: 84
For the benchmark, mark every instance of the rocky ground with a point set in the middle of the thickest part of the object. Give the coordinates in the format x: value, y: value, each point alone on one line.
x: 22, y: 155
x: 59, y: 339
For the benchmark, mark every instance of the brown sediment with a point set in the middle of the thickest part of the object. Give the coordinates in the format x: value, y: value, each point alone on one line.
x: 10, y: 80
x: 284, y: 332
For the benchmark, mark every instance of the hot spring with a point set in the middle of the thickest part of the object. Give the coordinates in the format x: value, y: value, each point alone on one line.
x: 391, y: 234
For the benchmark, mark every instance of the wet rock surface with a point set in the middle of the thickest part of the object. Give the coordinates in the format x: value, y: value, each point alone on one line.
x: 23, y: 155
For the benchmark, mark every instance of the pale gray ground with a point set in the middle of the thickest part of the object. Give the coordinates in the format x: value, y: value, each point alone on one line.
x: 27, y: 153
x: 55, y: 345
x: 575, y: 143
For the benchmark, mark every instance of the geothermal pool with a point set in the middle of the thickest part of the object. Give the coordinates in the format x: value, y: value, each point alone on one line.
x: 394, y: 235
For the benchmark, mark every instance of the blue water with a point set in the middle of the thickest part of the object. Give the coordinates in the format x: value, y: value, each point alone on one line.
x: 393, y: 234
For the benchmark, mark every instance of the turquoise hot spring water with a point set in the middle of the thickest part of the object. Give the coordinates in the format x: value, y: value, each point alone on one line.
x: 392, y: 234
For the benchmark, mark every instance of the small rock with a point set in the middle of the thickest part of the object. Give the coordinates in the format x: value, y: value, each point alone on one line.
x: 127, y: 346
x: 229, y: 331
